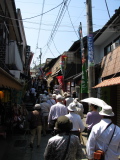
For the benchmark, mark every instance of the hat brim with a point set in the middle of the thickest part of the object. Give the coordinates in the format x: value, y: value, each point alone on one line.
x: 103, y: 114
x: 71, y: 109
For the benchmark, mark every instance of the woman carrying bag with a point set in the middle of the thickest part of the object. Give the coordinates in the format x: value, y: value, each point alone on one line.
x: 63, y: 146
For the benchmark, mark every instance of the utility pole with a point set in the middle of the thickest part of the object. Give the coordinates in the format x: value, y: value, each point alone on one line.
x: 40, y: 55
x: 91, y: 69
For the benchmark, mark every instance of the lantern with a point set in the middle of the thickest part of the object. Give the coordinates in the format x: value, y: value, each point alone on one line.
x: 1, y: 94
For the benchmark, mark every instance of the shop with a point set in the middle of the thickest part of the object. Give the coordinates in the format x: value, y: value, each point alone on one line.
x: 11, y: 94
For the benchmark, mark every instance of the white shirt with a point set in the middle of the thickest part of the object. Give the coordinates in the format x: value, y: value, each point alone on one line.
x: 68, y: 101
x: 77, y: 122
x: 99, y: 139
x: 56, y: 111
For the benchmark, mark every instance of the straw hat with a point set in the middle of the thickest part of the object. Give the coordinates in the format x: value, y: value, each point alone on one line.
x: 107, y: 111
x: 63, y: 124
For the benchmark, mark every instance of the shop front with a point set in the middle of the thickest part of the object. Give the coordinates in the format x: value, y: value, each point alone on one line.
x: 10, y: 93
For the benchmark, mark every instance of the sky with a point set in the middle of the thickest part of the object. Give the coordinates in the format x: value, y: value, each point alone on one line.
x: 55, y: 31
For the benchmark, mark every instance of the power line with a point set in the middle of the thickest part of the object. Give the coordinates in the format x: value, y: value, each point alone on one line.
x: 40, y: 21
x: 71, y: 22
x: 107, y: 8
x: 58, y: 22
x: 33, y: 16
x: 56, y: 47
x: 50, y: 50
x: 64, y: 30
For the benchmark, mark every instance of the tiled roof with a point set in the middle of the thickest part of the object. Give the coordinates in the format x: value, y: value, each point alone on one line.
x: 108, y: 82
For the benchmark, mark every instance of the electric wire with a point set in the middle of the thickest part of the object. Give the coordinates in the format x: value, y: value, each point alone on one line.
x: 71, y: 22
x: 55, y: 25
x: 107, y: 8
x: 51, y: 51
x: 56, y: 47
x: 80, y: 14
x: 40, y: 23
x: 33, y: 16
x: 58, y: 23
x: 96, y: 26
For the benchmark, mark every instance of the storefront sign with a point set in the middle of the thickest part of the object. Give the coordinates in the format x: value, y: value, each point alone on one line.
x: 90, y: 50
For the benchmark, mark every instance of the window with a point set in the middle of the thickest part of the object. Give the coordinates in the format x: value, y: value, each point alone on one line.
x: 112, y: 46
x: 107, y: 49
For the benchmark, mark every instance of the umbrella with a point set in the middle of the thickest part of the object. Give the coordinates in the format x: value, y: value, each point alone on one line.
x: 95, y: 101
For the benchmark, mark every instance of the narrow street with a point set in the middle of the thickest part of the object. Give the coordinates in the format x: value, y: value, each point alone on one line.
x: 16, y: 146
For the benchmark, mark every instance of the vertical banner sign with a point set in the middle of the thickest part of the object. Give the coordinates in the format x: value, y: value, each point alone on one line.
x: 63, y: 63
x: 84, y: 79
x: 90, y: 50
x: 60, y: 80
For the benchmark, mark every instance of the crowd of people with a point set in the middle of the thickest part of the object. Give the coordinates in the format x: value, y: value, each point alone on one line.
x: 62, y: 115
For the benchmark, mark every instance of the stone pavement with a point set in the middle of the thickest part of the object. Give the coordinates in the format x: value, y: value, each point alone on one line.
x: 16, y: 147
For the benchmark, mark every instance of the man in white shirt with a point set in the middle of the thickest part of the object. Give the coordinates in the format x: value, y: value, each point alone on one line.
x: 56, y: 111
x: 78, y: 125
x: 101, y: 134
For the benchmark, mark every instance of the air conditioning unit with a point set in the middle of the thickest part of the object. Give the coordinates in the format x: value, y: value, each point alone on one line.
x: 114, y: 45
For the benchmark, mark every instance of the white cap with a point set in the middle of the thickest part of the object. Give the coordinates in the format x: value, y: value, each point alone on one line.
x: 59, y: 97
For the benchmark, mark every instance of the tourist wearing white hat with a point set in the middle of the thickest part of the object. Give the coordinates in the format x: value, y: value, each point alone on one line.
x: 56, y: 111
x: 78, y: 125
x: 104, y: 136
x: 35, y: 120
x: 79, y: 108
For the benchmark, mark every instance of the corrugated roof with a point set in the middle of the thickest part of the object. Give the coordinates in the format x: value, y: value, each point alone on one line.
x: 108, y: 82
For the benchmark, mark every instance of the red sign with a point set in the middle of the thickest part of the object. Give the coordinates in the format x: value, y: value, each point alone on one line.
x: 60, y: 80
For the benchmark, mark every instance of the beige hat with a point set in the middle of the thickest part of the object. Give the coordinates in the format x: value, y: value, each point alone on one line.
x: 107, y: 111
x: 59, y: 97
x: 72, y: 107
x: 54, y: 95
x: 37, y: 106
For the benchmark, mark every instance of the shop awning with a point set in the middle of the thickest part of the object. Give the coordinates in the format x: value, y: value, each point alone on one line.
x: 108, y: 82
x: 8, y: 81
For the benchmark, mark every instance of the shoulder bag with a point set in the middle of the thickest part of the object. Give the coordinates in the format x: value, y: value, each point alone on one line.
x: 99, y: 154
x: 64, y: 156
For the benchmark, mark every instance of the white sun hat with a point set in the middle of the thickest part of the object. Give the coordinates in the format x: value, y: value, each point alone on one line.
x: 106, y: 111
x: 72, y: 107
